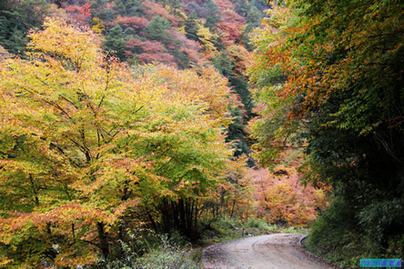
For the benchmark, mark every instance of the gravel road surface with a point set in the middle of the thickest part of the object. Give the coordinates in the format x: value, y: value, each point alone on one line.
x: 275, y: 251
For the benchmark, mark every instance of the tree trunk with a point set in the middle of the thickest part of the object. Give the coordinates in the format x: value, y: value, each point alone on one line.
x: 103, y: 240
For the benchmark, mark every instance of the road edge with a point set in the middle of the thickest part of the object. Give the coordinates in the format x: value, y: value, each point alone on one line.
x: 308, y: 253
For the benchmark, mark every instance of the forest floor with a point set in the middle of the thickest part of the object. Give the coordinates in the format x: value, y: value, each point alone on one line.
x: 274, y: 251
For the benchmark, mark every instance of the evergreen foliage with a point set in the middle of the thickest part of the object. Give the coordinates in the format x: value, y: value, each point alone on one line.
x: 115, y: 43
x: 17, y: 18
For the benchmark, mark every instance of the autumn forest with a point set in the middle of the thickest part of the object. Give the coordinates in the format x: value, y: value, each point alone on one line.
x: 131, y: 130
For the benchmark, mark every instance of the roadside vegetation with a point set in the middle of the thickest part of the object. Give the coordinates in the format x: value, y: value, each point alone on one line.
x: 134, y: 133
x: 328, y: 78
x: 162, y: 251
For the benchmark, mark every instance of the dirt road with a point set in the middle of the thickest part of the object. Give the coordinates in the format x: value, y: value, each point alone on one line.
x: 275, y: 251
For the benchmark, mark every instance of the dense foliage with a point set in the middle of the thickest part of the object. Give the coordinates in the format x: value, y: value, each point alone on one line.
x: 87, y: 146
x: 281, y: 199
x: 329, y: 75
x: 182, y: 34
x: 122, y: 119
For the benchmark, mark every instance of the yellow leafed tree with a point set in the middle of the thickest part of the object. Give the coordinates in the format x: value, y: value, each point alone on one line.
x: 85, y: 142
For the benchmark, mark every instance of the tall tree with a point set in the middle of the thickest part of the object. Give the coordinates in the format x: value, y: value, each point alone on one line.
x: 336, y: 72
x: 84, y: 143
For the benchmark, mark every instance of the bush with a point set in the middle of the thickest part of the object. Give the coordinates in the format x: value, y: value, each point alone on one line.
x: 167, y: 255
x: 343, y: 237
x: 257, y: 223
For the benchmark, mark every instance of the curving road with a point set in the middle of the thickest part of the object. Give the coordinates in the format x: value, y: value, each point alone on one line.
x: 275, y: 251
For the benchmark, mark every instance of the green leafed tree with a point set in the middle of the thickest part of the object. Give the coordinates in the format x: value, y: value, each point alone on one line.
x: 254, y: 16
x: 115, y: 42
x: 211, y: 24
x: 157, y: 30
x: 191, y: 26
x: 16, y: 18
x: 129, y: 7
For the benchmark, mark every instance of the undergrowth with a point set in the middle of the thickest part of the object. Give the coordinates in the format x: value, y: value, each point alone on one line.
x: 340, y: 239
x: 229, y: 229
x: 167, y: 255
x: 176, y: 252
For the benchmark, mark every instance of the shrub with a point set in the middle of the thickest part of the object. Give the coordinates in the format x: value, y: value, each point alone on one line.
x: 167, y: 255
x: 257, y: 223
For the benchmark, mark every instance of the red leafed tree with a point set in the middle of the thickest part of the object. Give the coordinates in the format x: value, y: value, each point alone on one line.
x: 149, y: 52
x: 236, y: 101
x: 79, y: 13
x: 232, y: 24
x: 157, y: 9
x: 224, y: 5
x: 189, y: 47
x: 133, y: 22
x: 240, y: 56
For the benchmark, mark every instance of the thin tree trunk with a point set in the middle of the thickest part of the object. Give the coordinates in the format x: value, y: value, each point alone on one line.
x: 175, y: 215
x: 234, y: 204
x: 182, y: 215
x: 196, y: 213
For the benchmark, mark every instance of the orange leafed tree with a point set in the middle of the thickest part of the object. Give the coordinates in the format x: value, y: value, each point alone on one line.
x: 281, y: 199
